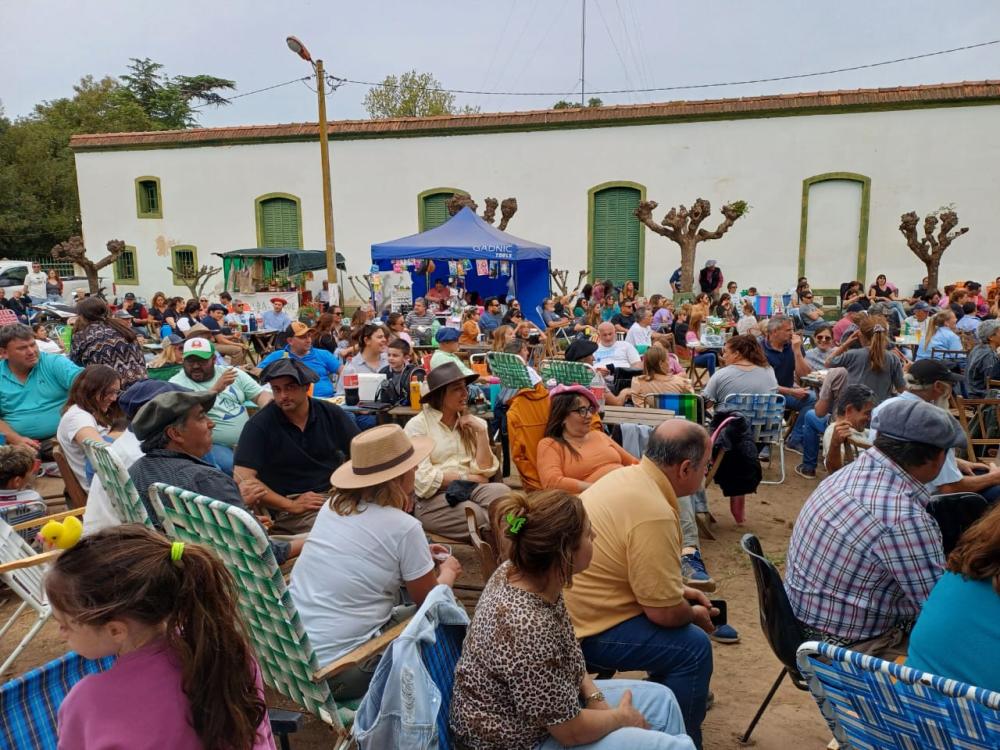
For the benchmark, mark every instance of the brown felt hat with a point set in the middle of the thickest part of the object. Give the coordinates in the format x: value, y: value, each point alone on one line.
x: 444, y: 375
x: 378, y: 455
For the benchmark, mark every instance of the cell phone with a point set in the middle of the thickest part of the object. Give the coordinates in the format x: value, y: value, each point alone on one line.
x: 534, y: 339
x: 720, y: 619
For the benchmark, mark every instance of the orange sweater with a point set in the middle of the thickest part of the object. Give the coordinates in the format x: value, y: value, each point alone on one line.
x: 600, y: 455
x: 470, y: 332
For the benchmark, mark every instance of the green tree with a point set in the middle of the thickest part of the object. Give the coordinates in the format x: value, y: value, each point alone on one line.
x: 591, y: 102
x: 412, y: 94
x: 170, y: 101
x: 39, y: 204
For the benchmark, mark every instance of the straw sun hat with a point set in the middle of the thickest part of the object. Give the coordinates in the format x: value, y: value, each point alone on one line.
x: 378, y: 455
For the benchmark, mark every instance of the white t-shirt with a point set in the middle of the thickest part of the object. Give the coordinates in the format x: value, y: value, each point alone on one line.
x: 863, y: 440
x: 619, y: 354
x: 48, y: 345
x: 35, y: 282
x: 639, y: 336
x: 347, y: 579
x: 74, y: 420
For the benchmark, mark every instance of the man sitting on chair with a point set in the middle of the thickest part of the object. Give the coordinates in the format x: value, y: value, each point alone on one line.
x: 865, y: 553
x: 612, y: 351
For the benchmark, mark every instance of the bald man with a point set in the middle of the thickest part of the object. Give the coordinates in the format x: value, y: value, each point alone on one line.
x: 612, y: 351
x: 630, y: 608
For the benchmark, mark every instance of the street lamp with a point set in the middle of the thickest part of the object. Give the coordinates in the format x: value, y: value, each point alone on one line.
x: 296, y: 46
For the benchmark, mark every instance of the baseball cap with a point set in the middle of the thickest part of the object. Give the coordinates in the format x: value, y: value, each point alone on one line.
x: 446, y: 334
x: 921, y: 305
x: 918, y: 421
x: 930, y: 371
x: 198, y: 347
x: 129, y: 295
x: 139, y: 394
x: 166, y: 408
x: 298, y: 329
x: 216, y: 306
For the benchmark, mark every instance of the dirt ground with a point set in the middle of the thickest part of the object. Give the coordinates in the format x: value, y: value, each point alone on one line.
x: 743, y: 672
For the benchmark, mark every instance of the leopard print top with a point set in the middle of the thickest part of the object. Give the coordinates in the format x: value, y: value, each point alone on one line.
x: 520, y: 670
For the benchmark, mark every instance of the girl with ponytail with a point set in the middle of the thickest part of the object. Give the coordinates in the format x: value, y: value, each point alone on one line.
x: 866, y: 356
x: 941, y: 335
x: 185, y: 676
x: 521, y: 681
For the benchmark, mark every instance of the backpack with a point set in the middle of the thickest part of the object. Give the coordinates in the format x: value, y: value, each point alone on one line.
x: 395, y: 389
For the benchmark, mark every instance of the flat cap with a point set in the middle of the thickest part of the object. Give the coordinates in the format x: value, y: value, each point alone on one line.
x: 139, y: 394
x: 579, y: 349
x: 167, y: 408
x: 918, y: 421
x: 288, y: 367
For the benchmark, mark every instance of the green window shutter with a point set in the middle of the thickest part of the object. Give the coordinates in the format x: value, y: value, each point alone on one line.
x: 615, y: 235
x: 126, y: 267
x: 435, y: 210
x: 147, y: 198
x: 280, y: 223
x: 184, y: 261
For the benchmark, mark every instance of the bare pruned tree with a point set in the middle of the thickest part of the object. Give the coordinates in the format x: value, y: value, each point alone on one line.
x: 74, y: 250
x: 508, y: 207
x: 683, y: 226
x: 560, y: 276
x: 195, y: 279
x: 930, y: 248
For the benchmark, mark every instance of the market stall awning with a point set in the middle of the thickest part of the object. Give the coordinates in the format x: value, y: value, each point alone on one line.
x: 465, y: 235
x: 299, y: 261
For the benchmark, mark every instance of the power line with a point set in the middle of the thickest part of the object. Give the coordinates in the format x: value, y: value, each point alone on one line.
x: 702, y: 85
x: 614, y: 45
x: 257, y: 91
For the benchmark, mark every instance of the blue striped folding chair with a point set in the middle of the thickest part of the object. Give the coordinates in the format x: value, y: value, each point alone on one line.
x: 765, y: 412
x: 30, y: 703
x: 872, y: 704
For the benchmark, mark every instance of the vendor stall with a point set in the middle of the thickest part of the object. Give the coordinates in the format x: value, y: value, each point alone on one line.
x: 257, y: 274
x: 489, y: 261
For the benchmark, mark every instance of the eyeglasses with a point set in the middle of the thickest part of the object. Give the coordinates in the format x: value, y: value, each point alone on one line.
x: 338, y: 312
x: 585, y: 411
x: 824, y: 338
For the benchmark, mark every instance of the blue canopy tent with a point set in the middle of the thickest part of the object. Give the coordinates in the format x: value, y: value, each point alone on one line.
x: 467, y: 236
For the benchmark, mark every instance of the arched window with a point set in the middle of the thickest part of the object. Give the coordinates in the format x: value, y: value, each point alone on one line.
x: 279, y: 221
x: 432, y: 207
x: 616, y: 241
x: 148, y: 203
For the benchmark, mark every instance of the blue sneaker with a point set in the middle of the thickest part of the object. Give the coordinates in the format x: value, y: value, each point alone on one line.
x: 725, y: 634
x: 695, y: 574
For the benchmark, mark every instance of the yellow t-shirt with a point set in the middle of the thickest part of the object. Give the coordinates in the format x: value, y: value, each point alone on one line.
x: 637, y: 550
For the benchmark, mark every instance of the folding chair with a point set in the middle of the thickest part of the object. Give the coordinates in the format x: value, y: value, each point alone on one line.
x: 117, y: 483
x: 510, y: 368
x: 781, y: 628
x: 980, y: 418
x: 76, y: 496
x: 871, y: 703
x: 765, y: 412
x: 23, y: 570
x: 29, y: 704
x: 15, y: 512
x: 286, y: 658
x: 691, y: 406
x: 686, y: 359
x: 567, y: 373
x: 554, y: 333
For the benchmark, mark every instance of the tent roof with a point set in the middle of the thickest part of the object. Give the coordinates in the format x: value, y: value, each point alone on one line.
x: 298, y: 260
x: 465, y: 235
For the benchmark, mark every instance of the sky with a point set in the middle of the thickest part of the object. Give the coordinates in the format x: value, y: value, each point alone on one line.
x: 517, y: 46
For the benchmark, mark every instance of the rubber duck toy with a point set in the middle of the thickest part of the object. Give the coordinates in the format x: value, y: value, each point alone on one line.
x: 62, y: 535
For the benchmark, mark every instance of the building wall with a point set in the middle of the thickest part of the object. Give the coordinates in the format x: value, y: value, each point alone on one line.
x: 916, y: 159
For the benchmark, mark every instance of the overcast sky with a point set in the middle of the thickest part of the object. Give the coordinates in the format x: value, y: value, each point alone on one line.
x: 520, y: 45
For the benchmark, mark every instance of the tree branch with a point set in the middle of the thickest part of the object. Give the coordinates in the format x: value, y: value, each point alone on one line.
x: 644, y: 213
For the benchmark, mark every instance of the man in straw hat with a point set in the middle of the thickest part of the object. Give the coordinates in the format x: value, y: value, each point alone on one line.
x: 366, y: 528
x: 288, y: 449
x: 459, y: 469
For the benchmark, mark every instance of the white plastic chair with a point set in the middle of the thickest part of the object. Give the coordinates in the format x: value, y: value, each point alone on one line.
x: 23, y: 570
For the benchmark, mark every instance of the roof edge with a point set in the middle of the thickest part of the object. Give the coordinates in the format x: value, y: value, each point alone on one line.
x: 779, y: 105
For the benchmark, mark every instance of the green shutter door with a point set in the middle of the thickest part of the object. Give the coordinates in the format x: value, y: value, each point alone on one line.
x: 280, y: 223
x: 435, y: 210
x: 615, y: 235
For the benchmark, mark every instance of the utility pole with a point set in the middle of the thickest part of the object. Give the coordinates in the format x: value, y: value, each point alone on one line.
x: 583, y: 48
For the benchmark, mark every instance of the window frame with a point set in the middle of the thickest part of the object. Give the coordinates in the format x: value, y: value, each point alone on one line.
x: 158, y: 213
x: 591, y: 200
x: 193, y: 249
x: 429, y: 193
x: 127, y: 280
x: 259, y: 215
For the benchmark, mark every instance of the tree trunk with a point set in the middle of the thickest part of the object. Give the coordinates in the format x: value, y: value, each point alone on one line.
x: 933, y: 267
x: 687, y: 264
x: 93, y: 280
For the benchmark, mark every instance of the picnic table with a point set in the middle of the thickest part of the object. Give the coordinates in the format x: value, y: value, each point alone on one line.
x: 630, y: 415
x: 403, y: 414
x: 261, y: 342
x: 908, y: 342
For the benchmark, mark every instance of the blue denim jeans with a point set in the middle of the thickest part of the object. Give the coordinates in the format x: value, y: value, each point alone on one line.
x: 706, y: 360
x: 680, y: 658
x: 656, y: 703
x: 813, y: 428
x: 800, y: 405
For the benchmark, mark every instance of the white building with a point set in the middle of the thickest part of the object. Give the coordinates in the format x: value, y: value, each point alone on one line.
x: 827, y: 176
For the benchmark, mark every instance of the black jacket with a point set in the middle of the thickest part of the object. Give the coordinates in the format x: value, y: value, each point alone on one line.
x: 740, y: 472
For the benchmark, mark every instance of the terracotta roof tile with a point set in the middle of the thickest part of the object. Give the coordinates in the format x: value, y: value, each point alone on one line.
x: 765, y: 105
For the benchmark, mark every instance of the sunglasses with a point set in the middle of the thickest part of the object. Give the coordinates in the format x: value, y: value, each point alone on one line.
x: 824, y: 338
x: 338, y: 312
x: 585, y: 411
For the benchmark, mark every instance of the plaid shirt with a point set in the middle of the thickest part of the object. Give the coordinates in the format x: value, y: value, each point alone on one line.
x: 864, y: 553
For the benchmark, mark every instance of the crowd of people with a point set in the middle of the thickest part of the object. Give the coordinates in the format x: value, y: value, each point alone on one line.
x: 602, y: 563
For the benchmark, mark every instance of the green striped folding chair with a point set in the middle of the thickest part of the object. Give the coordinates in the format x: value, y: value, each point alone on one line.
x: 287, y: 661
x: 117, y: 483
x: 691, y: 406
x: 510, y: 368
x: 567, y: 373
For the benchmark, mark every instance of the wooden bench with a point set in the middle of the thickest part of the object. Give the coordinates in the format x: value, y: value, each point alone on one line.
x: 629, y: 415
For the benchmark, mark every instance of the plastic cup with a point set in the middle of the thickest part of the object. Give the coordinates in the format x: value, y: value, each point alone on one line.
x: 441, y: 556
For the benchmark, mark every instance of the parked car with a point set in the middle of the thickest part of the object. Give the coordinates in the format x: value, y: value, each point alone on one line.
x: 12, y: 273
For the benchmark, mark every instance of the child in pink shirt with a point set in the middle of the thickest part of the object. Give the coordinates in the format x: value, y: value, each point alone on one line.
x: 185, y: 677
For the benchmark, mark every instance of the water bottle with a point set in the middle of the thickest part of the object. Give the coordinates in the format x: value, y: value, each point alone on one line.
x: 598, y: 387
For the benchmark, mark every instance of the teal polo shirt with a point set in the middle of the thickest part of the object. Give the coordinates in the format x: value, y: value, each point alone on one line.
x: 33, y: 408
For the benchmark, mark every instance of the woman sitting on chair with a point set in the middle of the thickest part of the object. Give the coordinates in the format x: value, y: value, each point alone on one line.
x: 692, y: 339
x: 658, y: 377
x: 366, y: 532
x: 746, y: 371
x: 573, y: 455
x: 521, y: 681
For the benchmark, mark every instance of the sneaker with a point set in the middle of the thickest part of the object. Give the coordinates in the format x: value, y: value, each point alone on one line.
x: 725, y: 634
x: 805, y: 472
x: 794, y: 447
x: 695, y: 574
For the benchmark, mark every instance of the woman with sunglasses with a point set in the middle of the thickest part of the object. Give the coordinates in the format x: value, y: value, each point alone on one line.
x: 822, y: 347
x: 573, y: 455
